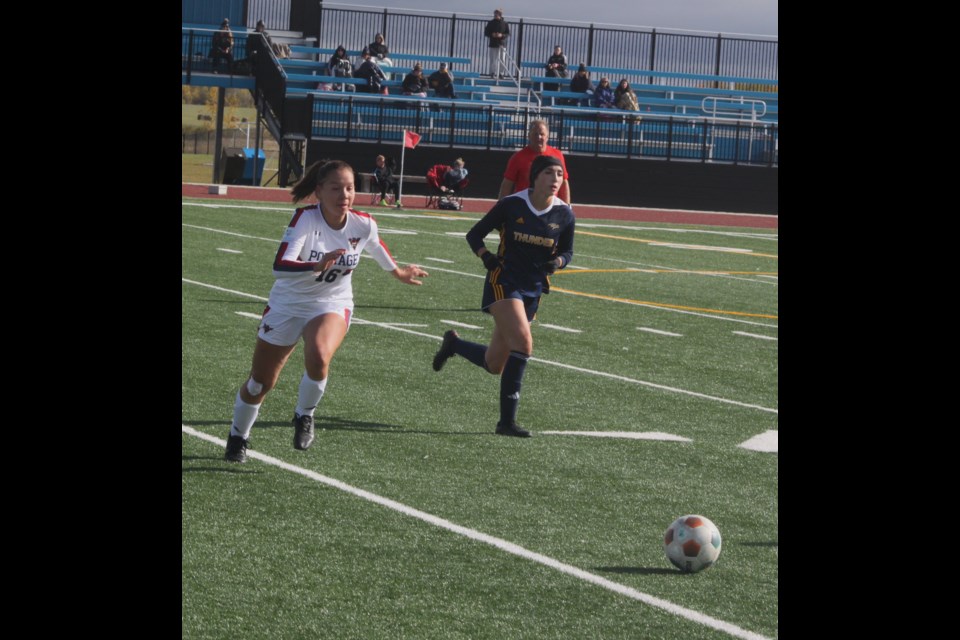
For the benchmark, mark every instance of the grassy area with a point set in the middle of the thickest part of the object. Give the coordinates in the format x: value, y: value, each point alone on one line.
x: 199, y: 168
x: 270, y: 553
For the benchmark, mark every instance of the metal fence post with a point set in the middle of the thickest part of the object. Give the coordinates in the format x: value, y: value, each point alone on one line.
x: 716, y: 67
x: 590, y: 46
x: 453, y: 33
x: 653, y: 52
x: 189, y: 55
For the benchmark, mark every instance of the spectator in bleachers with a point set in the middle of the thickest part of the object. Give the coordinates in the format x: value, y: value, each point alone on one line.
x: 339, y: 61
x: 378, y: 49
x: 497, y: 31
x: 370, y: 71
x: 603, y: 97
x: 383, y: 174
x: 625, y: 97
x: 414, y: 84
x: 580, y: 83
x: 222, y: 48
x: 441, y: 81
x: 556, y: 67
x: 256, y: 44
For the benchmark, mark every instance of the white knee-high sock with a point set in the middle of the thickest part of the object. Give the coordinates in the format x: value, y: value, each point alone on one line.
x: 311, y: 391
x: 244, y: 415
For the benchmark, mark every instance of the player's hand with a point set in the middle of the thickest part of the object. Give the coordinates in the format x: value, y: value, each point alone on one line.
x: 409, y: 273
x: 550, y: 267
x: 329, y: 259
x: 491, y: 261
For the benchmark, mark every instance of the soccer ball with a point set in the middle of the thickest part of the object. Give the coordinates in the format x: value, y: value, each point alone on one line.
x: 692, y: 543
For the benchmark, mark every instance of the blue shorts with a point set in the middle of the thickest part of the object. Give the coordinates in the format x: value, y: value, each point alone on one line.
x: 502, y: 290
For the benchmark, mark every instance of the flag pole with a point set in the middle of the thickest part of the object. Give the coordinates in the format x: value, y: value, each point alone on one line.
x: 403, y: 153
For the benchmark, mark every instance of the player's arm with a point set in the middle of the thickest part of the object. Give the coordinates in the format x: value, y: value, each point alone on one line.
x: 475, y: 237
x: 379, y: 251
x: 565, y: 246
x: 287, y: 263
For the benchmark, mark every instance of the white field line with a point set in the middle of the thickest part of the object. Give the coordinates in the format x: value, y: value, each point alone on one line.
x: 651, y: 268
x: 629, y: 435
x: 700, y: 247
x: 397, y: 232
x: 575, y: 266
x: 461, y: 324
x: 228, y: 250
x: 602, y: 374
x: 354, y: 320
x: 683, y: 311
x: 498, y: 543
x: 732, y: 234
x: 440, y: 260
x: 389, y: 324
x: 230, y: 233
x: 766, y: 442
x: 660, y: 332
x: 289, y: 211
x: 559, y: 328
x: 756, y: 335
x: 475, y: 275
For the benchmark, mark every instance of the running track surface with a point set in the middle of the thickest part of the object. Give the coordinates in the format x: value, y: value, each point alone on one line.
x: 477, y: 205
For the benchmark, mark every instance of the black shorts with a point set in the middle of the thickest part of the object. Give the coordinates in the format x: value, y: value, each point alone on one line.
x: 502, y: 290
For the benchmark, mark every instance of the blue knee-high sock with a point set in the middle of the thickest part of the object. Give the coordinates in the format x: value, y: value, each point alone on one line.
x: 475, y: 353
x: 510, y: 382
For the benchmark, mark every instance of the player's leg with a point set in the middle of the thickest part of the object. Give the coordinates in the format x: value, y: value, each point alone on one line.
x: 322, y: 336
x: 268, y: 362
x: 509, y: 350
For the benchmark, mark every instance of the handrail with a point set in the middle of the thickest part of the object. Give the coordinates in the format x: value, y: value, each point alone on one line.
x: 719, y: 108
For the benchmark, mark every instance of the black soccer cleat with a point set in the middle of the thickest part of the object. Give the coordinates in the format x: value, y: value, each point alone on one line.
x: 236, y: 449
x: 446, y: 350
x: 302, y: 432
x: 512, y: 429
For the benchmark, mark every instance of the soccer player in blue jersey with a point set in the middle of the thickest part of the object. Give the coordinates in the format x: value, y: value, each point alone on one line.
x: 536, y: 238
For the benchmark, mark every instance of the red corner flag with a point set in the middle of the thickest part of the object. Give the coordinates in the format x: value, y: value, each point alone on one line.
x: 410, y: 139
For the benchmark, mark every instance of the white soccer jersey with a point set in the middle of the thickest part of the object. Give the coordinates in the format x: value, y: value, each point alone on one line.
x: 299, y: 290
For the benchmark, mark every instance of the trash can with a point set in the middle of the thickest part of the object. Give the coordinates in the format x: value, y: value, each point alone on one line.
x: 231, y: 166
x: 237, y: 166
x: 248, y: 177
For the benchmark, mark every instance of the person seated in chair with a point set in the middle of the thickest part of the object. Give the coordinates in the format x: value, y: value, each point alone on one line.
x: 454, y: 177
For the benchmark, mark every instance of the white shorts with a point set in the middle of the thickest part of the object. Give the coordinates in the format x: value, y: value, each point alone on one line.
x: 285, y: 330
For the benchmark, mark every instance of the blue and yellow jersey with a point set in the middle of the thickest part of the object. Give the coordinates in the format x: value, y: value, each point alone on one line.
x: 528, y: 239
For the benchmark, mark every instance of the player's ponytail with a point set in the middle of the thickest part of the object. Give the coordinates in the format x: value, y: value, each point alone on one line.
x: 315, y: 175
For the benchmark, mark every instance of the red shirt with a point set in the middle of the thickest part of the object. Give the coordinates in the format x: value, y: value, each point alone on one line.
x: 518, y: 167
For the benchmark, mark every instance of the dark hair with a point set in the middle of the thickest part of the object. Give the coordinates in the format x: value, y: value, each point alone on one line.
x: 315, y: 175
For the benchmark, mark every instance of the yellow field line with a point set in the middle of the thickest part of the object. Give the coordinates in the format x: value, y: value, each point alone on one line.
x: 645, y: 241
x: 636, y: 270
x: 665, y: 305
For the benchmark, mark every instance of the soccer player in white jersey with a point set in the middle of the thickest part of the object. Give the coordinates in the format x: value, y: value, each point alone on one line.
x: 312, y: 298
